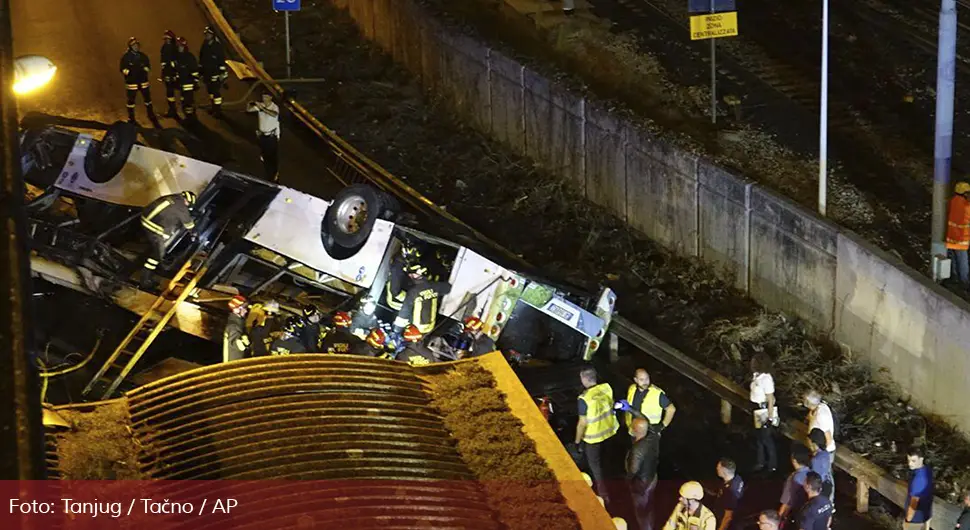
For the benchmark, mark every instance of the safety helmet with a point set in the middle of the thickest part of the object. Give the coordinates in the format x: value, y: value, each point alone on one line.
x: 410, y: 251
x: 133, y: 41
x: 376, y: 337
x: 342, y: 319
x: 271, y: 307
x: 208, y: 29
x: 310, y: 310
x: 189, y: 197
x: 292, y: 325
x: 236, y: 302
x: 169, y: 34
x: 962, y: 187
x: 416, y: 269
x: 182, y: 42
x: 473, y: 323
x: 412, y: 334
x: 620, y: 523
x: 692, y: 491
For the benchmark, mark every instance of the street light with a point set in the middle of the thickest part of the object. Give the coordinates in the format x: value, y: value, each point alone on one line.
x: 32, y: 72
x: 823, y: 122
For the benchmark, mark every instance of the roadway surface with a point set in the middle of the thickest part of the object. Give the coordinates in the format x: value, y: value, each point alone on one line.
x: 86, y: 39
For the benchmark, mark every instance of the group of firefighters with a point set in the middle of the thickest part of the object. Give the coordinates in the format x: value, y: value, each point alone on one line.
x: 180, y: 71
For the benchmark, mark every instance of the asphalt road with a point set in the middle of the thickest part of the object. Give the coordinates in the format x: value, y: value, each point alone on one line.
x: 86, y: 39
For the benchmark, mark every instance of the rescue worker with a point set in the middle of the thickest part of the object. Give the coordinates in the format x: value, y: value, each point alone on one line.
x: 729, y: 494
x: 473, y: 340
x: 187, y: 70
x: 289, y: 339
x: 313, y: 331
x: 396, y: 287
x: 265, y: 329
x: 958, y: 232
x: 135, y: 68
x: 648, y: 401
x: 212, y: 62
x: 415, y: 353
x: 374, y: 343
x: 597, y: 423
x: 235, y: 341
x: 690, y: 514
x: 340, y: 340
x: 163, y: 220
x: 268, y: 134
x: 169, y: 59
x: 420, y: 305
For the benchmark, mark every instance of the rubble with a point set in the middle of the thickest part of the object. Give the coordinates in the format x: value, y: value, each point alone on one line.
x: 99, y: 445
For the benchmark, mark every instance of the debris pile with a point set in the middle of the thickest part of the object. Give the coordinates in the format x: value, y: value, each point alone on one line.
x: 99, y: 445
x: 519, y: 485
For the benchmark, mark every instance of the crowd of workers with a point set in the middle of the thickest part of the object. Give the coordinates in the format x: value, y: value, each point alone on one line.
x: 807, y: 500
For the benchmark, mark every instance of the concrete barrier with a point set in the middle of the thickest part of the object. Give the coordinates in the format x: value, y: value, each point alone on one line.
x: 782, y: 255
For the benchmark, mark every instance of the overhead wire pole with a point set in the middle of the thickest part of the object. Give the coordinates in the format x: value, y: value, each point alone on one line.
x: 943, y: 144
x: 823, y: 122
x: 21, y: 430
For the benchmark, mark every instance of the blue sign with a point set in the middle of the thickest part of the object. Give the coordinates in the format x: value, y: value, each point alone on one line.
x: 286, y: 5
x: 704, y: 6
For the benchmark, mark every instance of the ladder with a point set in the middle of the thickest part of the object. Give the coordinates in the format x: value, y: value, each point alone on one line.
x: 151, y: 325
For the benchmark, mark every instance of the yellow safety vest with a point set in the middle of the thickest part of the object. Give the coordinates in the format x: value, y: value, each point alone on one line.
x: 650, y: 407
x: 704, y: 520
x: 601, y: 422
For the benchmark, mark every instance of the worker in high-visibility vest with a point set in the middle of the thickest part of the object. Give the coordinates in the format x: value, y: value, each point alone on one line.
x: 958, y: 232
x: 647, y: 401
x: 690, y: 514
x: 597, y: 424
x: 164, y: 219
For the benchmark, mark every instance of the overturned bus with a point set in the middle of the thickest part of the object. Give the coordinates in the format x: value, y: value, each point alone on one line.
x: 265, y: 241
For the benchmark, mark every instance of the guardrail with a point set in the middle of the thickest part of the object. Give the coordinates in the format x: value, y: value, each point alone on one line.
x: 868, y: 476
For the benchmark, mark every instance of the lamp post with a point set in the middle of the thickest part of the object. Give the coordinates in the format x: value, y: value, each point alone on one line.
x: 943, y: 145
x: 823, y: 122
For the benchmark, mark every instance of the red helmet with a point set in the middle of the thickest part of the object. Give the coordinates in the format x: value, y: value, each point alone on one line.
x: 236, y: 302
x: 412, y: 334
x: 169, y: 34
x: 132, y: 41
x: 376, y: 337
x: 182, y: 42
x: 342, y: 319
x: 473, y: 324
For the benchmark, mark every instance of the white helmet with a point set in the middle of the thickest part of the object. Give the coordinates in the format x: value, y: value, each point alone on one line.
x: 271, y: 307
x: 692, y: 491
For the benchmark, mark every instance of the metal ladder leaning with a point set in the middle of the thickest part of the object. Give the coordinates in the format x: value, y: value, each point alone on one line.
x: 154, y: 321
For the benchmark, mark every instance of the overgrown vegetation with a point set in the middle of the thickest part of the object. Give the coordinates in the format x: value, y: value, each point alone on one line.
x: 519, y: 484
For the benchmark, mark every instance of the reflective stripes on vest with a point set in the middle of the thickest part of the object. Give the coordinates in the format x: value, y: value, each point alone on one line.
x: 650, y: 407
x: 702, y: 521
x: 601, y: 422
x: 146, y: 220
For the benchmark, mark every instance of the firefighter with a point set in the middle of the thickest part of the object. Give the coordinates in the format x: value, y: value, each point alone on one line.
x: 135, y: 68
x: 374, y: 343
x: 235, y: 341
x: 289, y: 339
x: 414, y: 353
x: 690, y: 514
x: 340, y: 340
x: 364, y: 318
x: 187, y: 70
x: 266, y: 328
x: 420, y: 306
x: 313, y: 330
x: 163, y: 220
x: 212, y: 62
x: 958, y: 232
x: 473, y: 340
x: 395, y: 290
x: 169, y: 58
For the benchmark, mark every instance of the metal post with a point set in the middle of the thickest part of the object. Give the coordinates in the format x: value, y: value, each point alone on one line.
x: 943, y: 149
x: 713, y: 75
x: 823, y: 122
x: 21, y: 431
x: 286, y: 18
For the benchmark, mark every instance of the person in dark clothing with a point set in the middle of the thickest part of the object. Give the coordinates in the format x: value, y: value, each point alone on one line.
x: 821, y: 462
x: 396, y: 288
x: 266, y: 329
x: 340, y: 339
x: 816, y: 514
x: 289, y: 340
x: 473, y: 340
x: 919, y: 494
x: 963, y: 522
x: 135, y: 67
x: 641, y: 469
x: 168, y: 58
x: 414, y: 353
x: 164, y: 219
x: 187, y: 71
x: 313, y: 331
x: 235, y: 342
x: 729, y: 494
x: 793, y: 494
x: 374, y: 344
x: 420, y: 306
x: 212, y: 62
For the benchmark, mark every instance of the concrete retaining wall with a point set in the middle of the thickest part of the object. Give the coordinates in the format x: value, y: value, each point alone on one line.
x: 782, y: 255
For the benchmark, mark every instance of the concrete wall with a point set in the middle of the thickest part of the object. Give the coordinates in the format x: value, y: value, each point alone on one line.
x: 782, y: 255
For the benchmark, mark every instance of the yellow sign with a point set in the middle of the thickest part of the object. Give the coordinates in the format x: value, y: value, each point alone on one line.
x: 714, y: 26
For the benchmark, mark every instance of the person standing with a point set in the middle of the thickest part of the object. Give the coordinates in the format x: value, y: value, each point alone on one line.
x: 762, y: 392
x: 919, y: 494
x: 187, y: 71
x: 822, y: 417
x: 212, y: 62
x: 641, y: 470
x: 164, y: 220
x: 817, y: 512
x: 135, y: 68
x: 597, y: 423
x: 647, y: 401
x: 793, y: 494
x: 963, y: 522
x: 289, y: 341
x: 769, y: 520
x: 268, y: 134
x: 235, y: 341
x: 821, y: 462
x: 690, y: 514
x: 168, y: 58
x: 958, y: 232
x: 730, y: 493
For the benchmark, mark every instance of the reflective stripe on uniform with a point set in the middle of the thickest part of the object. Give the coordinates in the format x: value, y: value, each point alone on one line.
x: 650, y: 407
x: 132, y: 86
x: 601, y: 422
x: 144, y: 85
x: 188, y: 88
x: 217, y: 101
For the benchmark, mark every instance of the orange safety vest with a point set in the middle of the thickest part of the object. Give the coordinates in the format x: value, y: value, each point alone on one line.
x: 958, y: 224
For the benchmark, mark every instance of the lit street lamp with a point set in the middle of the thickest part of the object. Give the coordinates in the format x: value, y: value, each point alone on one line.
x: 32, y: 72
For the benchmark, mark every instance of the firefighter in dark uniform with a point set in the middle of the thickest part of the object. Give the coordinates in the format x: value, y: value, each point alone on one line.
x: 235, y: 341
x: 313, y: 330
x: 187, y: 70
x: 415, y: 353
x: 398, y: 282
x: 169, y: 59
x: 135, y: 68
x: 473, y: 340
x: 340, y: 339
x: 420, y: 306
x: 374, y: 344
x: 212, y: 62
x: 289, y: 340
x: 164, y: 219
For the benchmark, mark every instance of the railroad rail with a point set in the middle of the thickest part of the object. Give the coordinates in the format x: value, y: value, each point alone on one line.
x: 352, y: 166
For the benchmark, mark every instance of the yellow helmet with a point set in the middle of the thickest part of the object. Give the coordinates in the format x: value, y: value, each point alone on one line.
x: 961, y: 188
x: 692, y: 491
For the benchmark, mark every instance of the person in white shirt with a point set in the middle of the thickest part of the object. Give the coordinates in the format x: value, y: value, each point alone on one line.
x: 820, y: 417
x: 268, y: 134
x: 762, y: 392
